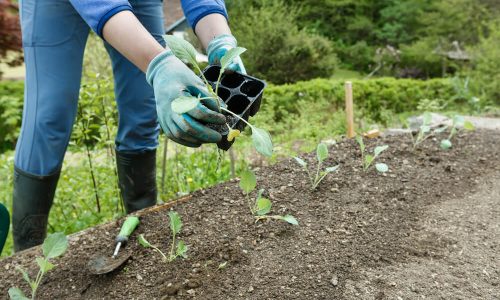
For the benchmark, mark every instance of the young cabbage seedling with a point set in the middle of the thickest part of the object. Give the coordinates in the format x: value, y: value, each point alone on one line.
x: 425, y: 131
x: 262, y: 206
x: 458, y: 122
x: 321, y: 155
x: 186, y: 52
x: 178, y: 248
x: 53, y: 246
x: 368, y: 159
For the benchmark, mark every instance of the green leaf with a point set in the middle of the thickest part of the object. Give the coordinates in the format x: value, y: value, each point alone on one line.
x: 322, y: 152
x: 26, y: 277
x: 300, y: 161
x: 181, y: 249
x: 381, y: 167
x: 262, y: 206
x: 248, y: 182
x: 175, y: 222
x: 440, y: 129
x: 184, y: 104
x: 182, y: 49
x: 142, y: 240
x: 427, y: 119
x: 55, y: 245
x: 262, y: 141
x: 331, y: 169
x: 290, y: 219
x: 469, y: 126
x: 458, y: 120
x: 230, y: 55
x: 379, y: 150
x: 16, y: 294
x: 359, y: 140
x: 446, y: 144
x: 222, y: 265
x: 44, y: 264
x: 424, y: 129
x: 368, y: 160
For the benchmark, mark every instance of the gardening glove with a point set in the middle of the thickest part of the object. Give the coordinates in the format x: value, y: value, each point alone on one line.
x: 171, y: 79
x: 218, y: 47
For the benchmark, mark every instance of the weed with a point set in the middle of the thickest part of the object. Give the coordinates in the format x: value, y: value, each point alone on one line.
x: 53, y: 246
x: 368, y: 159
x: 321, y: 155
x: 186, y: 52
x: 262, y: 206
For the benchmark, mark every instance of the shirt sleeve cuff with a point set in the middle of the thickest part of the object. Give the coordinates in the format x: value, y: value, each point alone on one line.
x: 195, y: 20
x: 108, y: 15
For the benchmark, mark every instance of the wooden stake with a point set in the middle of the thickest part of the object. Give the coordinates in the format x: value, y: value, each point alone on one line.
x: 349, y: 109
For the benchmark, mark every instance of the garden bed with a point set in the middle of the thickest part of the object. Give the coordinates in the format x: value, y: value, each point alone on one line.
x: 428, y: 227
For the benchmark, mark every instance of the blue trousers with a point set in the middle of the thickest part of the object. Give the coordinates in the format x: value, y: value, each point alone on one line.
x: 54, y: 38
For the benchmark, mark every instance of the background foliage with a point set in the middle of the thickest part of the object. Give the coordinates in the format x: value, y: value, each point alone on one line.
x: 10, y: 34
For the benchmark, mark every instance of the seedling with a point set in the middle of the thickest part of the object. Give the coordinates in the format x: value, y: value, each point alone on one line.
x: 262, y: 206
x: 368, y: 159
x: 53, y: 246
x: 425, y: 131
x: 187, y: 53
x: 458, y: 122
x: 175, y: 251
x: 321, y: 155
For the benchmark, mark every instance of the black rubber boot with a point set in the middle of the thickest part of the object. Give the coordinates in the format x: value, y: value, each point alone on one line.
x: 137, y: 179
x: 33, y: 197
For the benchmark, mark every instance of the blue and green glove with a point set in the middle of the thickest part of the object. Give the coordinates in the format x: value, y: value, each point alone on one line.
x: 219, y: 46
x: 170, y: 79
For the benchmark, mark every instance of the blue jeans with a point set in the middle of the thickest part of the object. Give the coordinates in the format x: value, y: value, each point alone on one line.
x: 54, y: 38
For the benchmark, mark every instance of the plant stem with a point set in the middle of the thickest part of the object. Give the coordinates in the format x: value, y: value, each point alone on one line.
x: 232, y: 113
x: 159, y: 251
x: 317, y: 176
x: 172, y: 256
x: 164, y: 165
x: 275, y: 217
x: 249, y: 202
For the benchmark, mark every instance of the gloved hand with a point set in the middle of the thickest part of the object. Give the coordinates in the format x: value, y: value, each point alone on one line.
x: 170, y: 79
x: 218, y: 47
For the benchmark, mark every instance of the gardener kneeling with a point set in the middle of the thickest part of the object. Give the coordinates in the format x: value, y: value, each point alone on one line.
x: 54, y: 36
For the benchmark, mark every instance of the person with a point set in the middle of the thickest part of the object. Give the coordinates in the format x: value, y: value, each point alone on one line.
x: 147, y: 78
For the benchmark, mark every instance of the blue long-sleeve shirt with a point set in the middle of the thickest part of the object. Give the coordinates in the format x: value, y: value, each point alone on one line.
x: 97, y: 12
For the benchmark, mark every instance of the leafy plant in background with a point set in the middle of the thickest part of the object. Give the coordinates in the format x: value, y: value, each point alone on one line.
x: 53, y: 246
x: 178, y: 248
x: 458, y: 122
x: 368, y: 159
x: 187, y: 53
x: 262, y: 206
x: 321, y: 155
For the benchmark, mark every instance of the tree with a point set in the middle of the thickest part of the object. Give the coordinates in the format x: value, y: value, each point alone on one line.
x: 10, y: 34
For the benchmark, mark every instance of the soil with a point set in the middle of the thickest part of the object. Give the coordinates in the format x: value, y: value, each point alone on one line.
x: 429, y: 228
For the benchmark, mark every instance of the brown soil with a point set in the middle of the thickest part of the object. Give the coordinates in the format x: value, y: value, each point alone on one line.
x: 429, y: 228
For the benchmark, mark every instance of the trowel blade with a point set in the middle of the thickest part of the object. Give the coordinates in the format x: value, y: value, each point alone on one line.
x: 105, y: 264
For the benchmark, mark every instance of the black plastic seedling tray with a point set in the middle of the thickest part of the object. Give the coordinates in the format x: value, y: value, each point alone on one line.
x: 242, y: 95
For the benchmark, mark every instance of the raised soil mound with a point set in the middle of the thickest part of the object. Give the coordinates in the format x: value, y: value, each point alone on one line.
x: 427, y: 228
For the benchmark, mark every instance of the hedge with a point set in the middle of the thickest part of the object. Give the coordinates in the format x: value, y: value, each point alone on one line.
x: 320, y: 97
x: 372, y: 96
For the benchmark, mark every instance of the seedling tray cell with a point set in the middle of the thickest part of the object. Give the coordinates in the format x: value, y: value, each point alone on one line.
x: 241, y: 93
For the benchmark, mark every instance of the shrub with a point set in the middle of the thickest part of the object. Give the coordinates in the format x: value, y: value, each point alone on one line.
x: 486, y: 75
x: 371, y: 96
x: 278, y: 50
x: 10, y: 34
x: 11, y: 107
